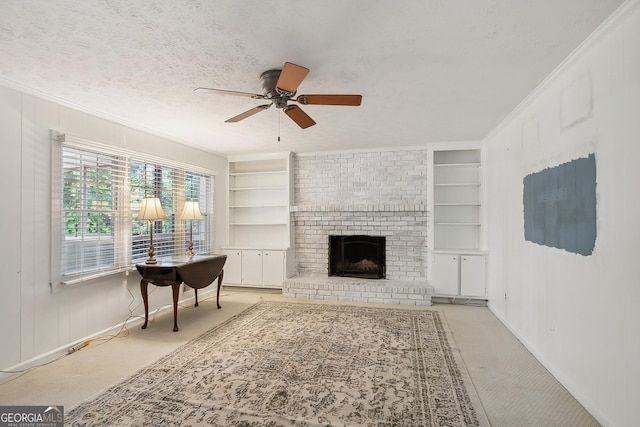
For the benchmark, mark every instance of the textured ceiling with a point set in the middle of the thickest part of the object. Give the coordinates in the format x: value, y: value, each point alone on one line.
x: 428, y: 70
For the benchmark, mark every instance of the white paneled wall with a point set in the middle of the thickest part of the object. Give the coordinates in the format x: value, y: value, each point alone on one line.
x: 10, y: 307
x: 34, y: 321
x: 579, y: 315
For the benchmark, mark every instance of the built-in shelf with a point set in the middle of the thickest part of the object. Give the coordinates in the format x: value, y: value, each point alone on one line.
x: 256, y: 188
x: 258, y: 246
x: 260, y: 224
x: 267, y: 172
x: 456, y: 199
x: 449, y: 165
x: 456, y: 263
x: 258, y: 206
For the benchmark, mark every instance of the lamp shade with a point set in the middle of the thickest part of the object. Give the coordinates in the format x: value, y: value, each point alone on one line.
x: 191, y: 211
x: 151, y: 209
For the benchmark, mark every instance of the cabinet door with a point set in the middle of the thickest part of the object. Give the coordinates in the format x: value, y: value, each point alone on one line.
x: 472, y: 275
x: 232, y: 268
x: 251, y: 267
x: 273, y: 268
x: 445, y: 274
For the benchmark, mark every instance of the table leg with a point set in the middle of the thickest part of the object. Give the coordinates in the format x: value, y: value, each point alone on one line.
x: 219, y: 285
x: 176, y: 292
x: 196, y: 297
x: 145, y: 298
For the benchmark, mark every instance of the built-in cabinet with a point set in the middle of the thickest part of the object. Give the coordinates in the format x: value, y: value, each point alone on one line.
x: 232, y: 267
x: 459, y: 275
x: 260, y: 193
x: 255, y: 268
x: 457, y: 261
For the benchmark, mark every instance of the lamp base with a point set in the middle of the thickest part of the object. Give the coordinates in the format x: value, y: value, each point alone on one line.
x: 152, y: 251
x: 190, y: 253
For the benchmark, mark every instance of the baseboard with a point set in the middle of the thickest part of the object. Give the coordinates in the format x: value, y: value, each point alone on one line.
x: 61, y: 351
x: 476, y: 302
x: 573, y: 390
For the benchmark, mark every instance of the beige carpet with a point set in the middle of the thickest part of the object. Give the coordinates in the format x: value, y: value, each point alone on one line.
x: 514, y: 388
x: 305, y: 365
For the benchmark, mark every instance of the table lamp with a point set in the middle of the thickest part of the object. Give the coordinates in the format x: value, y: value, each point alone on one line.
x: 151, y: 210
x: 191, y: 211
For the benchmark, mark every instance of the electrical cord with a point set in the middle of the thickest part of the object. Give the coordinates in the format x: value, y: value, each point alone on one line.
x: 122, y: 332
x: 24, y: 371
x: 82, y: 344
x: 123, y: 323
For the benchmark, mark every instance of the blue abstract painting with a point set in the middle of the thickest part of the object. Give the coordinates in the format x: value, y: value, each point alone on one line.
x: 560, y: 206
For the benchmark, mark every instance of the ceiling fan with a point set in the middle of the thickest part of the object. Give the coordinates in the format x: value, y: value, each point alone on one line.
x: 279, y: 87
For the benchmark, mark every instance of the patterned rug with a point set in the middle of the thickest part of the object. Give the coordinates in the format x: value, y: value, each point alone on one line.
x: 300, y: 364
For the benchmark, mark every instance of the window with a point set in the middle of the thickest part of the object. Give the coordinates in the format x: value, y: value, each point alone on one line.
x: 172, y: 186
x: 92, y: 191
x: 96, y: 197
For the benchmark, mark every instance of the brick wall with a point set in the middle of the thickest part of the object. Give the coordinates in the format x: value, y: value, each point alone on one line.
x: 378, y: 193
x: 369, y: 178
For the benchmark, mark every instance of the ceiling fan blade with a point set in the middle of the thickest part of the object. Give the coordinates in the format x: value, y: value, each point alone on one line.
x: 349, y: 100
x: 300, y: 117
x: 227, y: 92
x: 290, y: 77
x: 248, y: 113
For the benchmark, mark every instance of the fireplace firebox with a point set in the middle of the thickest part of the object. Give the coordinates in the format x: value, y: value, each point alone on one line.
x: 357, y: 256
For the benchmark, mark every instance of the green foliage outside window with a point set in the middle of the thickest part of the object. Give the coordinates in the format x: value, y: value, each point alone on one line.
x: 88, y: 200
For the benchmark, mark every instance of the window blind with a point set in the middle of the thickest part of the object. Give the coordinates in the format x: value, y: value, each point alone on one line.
x: 172, y: 185
x: 93, y: 195
x: 97, y: 193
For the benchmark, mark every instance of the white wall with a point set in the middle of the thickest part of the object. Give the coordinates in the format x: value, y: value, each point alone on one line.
x: 579, y: 315
x: 34, y: 321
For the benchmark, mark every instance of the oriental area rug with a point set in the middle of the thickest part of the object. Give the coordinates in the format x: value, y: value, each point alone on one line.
x: 300, y: 364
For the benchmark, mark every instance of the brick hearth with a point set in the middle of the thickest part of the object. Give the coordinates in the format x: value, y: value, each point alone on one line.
x: 358, y: 290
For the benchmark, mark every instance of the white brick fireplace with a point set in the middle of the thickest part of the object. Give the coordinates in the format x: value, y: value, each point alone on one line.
x: 377, y: 193
x: 404, y: 228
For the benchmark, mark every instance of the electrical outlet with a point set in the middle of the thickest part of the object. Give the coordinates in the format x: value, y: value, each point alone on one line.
x: 505, y: 296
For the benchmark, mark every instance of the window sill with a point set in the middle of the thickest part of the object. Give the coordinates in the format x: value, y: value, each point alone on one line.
x: 81, y: 279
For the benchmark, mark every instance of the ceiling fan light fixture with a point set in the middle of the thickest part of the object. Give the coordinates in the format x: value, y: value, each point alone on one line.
x: 280, y: 87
